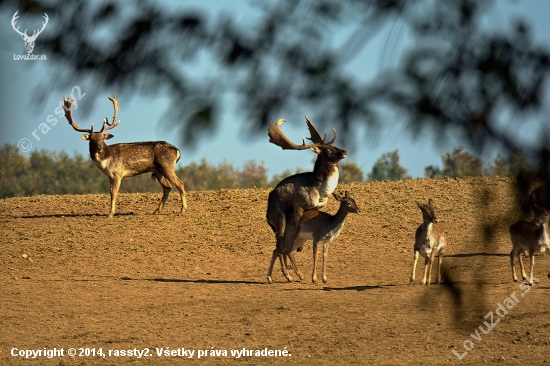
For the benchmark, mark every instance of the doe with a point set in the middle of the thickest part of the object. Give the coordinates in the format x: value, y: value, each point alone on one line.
x: 321, y: 228
x: 529, y: 237
x: 429, y: 241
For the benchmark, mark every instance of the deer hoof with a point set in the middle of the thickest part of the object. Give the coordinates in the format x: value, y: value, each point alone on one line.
x: 325, y: 281
x: 411, y: 281
x: 269, y: 279
x: 288, y: 278
x: 109, y: 216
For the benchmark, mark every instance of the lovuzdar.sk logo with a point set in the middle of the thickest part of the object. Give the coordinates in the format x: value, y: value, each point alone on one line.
x: 29, y: 40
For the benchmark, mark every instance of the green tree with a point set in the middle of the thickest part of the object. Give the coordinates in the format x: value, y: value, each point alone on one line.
x: 432, y: 171
x: 350, y: 172
x: 387, y: 168
x: 458, y: 163
x: 461, y: 163
x: 14, y: 169
x: 516, y: 163
x: 253, y: 175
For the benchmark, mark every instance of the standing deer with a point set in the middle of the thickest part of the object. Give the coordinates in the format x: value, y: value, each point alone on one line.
x: 128, y: 159
x: 429, y: 241
x: 529, y: 237
x: 302, y: 191
x: 321, y: 228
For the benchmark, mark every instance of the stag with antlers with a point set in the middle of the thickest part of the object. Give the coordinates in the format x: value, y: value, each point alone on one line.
x: 128, y: 159
x: 303, y: 191
x: 29, y: 41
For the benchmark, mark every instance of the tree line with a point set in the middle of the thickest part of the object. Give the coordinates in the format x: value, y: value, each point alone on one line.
x: 51, y: 172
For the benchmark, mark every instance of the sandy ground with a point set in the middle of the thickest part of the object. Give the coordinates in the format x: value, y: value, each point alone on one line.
x: 141, y: 288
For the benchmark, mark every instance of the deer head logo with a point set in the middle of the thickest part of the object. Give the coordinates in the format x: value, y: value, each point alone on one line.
x: 29, y: 41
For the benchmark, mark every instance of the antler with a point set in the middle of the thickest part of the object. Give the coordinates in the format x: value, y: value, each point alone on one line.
x: 114, y: 123
x: 15, y: 16
x: 277, y: 137
x: 67, y: 106
x: 315, y: 137
x: 24, y: 34
x: 35, y: 35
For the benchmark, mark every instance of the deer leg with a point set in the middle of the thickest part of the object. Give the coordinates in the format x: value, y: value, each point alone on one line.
x: 174, y: 179
x: 415, y: 261
x: 285, y: 258
x: 271, y: 263
x: 283, y: 267
x: 325, y: 254
x: 295, y: 265
x: 430, y: 266
x: 425, y: 280
x: 166, y: 187
x: 523, y: 275
x: 114, y: 187
x: 297, y: 243
x: 514, y: 275
x: 314, y: 274
x: 531, y: 265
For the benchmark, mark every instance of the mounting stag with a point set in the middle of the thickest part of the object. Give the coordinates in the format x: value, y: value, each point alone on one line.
x: 128, y: 159
x: 303, y: 191
x: 321, y: 228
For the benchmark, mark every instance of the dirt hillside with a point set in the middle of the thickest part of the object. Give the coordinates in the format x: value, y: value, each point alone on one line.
x: 146, y: 290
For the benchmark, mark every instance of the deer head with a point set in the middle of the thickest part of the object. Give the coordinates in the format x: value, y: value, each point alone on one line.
x: 347, y: 203
x: 428, y: 211
x: 29, y: 41
x: 97, y: 144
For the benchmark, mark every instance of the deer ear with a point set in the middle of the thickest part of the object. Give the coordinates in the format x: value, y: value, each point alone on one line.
x: 315, y: 149
x: 419, y: 205
x: 338, y: 198
x: 85, y: 137
x: 107, y: 136
x: 430, y: 202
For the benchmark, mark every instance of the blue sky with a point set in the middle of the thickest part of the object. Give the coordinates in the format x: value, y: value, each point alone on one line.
x: 140, y: 117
